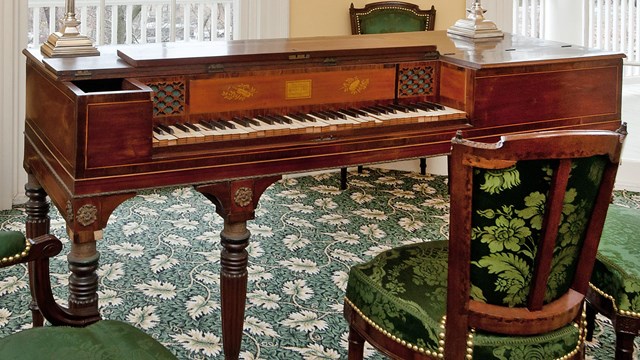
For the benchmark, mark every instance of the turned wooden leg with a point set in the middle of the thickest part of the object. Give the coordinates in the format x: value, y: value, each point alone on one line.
x: 356, y: 345
x: 624, y: 345
x: 235, y: 201
x: 37, y: 209
x: 233, y: 285
x: 591, y: 320
x: 343, y: 178
x: 83, y: 281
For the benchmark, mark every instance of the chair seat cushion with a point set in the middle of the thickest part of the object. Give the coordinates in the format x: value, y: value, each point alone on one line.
x: 106, y: 339
x: 404, y: 291
x: 11, y: 243
x: 617, y: 268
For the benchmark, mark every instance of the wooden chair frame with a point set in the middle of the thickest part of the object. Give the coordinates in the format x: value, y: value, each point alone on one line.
x: 537, y: 318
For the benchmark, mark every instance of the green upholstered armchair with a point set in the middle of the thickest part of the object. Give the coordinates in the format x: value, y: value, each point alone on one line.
x: 526, y: 217
x: 389, y: 17
x: 615, y: 281
x: 104, y: 339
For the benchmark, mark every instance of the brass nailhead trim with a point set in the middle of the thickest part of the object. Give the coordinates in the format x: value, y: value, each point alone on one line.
x: 14, y: 258
x: 404, y: 343
x: 613, y: 303
x: 469, y: 349
x: 386, y: 8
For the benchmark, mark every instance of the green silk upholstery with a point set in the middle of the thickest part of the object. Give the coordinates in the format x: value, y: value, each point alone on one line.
x: 390, y: 21
x: 104, y: 340
x: 404, y: 290
x: 507, y: 228
x: 12, y: 243
x: 617, y: 269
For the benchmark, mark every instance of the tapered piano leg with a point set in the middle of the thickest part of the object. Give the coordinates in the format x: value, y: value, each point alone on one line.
x: 86, y: 218
x: 235, y: 202
x: 233, y: 284
x: 38, y: 222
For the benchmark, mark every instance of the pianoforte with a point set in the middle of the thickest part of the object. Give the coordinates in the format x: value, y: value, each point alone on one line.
x: 231, y: 117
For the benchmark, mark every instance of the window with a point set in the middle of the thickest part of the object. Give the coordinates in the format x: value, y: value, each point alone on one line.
x: 109, y: 22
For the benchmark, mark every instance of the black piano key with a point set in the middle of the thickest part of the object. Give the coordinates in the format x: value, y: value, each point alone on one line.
x: 265, y: 119
x: 348, y: 112
x: 358, y: 111
x: 282, y: 119
x: 208, y: 124
x: 399, y: 107
x: 191, y: 126
x: 387, y: 109
x: 302, y: 117
x: 240, y: 121
x: 228, y: 124
x: 431, y: 105
x: 158, y: 131
x: 319, y: 115
x: 425, y: 106
x: 336, y: 114
x: 411, y: 107
x: 166, y: 129
x: 252, y: 121
x: 371, y: 110
x: 181, y: 127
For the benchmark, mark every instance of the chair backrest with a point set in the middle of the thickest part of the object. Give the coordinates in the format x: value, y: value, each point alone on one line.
x: 389, y: 17
x: 526, y: 218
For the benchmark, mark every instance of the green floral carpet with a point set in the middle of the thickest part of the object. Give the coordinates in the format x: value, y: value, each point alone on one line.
x: 159, y: 266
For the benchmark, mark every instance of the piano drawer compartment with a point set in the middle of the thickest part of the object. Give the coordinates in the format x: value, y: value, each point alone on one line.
x: 115, y: 121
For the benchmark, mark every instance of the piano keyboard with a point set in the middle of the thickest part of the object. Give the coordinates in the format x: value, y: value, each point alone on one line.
x: 299, y: 123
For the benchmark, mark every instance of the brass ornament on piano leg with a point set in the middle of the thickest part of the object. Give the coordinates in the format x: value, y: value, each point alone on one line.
x: 475, y: 25
x: 68, y: 42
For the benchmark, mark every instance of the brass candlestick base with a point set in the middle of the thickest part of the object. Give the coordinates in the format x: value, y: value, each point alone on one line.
x: 475, y: 26
x: 68, y: 42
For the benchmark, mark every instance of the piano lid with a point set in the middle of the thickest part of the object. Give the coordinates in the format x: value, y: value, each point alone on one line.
x: 274, y: 50
x: 196, y: 57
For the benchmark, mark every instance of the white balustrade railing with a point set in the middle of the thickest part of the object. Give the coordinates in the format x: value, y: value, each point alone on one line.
x: 137, y: 21
x: 608, y: 24
x: 528, y: 17
x: 615, y: 25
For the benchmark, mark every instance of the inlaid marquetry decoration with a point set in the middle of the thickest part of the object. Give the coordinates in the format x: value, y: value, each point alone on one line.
x: 355, y: 85
x: 243, y: 196
x: 416, y: 80
x: 168, y: 98
x: 87, y: 214
x: 239, y: 92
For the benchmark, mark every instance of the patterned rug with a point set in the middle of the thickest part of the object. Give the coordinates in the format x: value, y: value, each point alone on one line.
x: 159, y: 266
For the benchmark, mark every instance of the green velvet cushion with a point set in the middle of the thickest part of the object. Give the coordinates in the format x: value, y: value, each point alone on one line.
x: 11, y: 243
x: 390, y: 21
x: 106, y: 339
x: 617, y: 268
x: 403, y: 290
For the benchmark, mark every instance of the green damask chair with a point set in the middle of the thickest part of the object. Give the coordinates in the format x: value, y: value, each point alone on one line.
x: 526, y: 217
x: 389, y: 17
x: 615, y: 282
x: 104, y: 339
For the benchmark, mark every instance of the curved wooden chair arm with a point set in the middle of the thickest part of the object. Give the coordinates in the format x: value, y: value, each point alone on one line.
x: 36, y: 253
